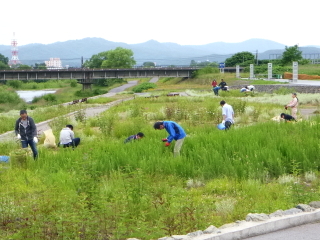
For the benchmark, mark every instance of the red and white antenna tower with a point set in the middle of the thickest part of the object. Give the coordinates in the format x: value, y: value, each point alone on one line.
x: 14, y: 52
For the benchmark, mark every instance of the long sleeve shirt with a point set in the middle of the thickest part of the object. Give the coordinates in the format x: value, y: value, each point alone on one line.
x: 66, y: 136
x: 175, y: 131
x: 293, y: 103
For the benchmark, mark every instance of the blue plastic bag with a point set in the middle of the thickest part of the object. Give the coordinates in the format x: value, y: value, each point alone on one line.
x: 221, y: 126
x: 4, y: 158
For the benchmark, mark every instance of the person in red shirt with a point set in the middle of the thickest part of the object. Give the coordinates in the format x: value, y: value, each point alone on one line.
x: 214, y: 83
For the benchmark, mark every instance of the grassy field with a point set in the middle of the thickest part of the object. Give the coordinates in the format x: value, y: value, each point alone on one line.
x: 106, y: 189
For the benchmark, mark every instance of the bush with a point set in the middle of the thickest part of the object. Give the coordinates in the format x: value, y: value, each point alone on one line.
x: 109, y: 81
x: 89, y: 93
x: 205, y: 70
x: 50, y: 97
x: 143, y: 86
x: 8, y: 96
x: 14, y: 83
x: 73, y: 83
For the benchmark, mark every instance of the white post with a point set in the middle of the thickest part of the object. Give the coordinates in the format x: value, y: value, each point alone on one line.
x: 269, y: 71
x: 295, y: 72
x: 251, y: 71
x: 237, y: 71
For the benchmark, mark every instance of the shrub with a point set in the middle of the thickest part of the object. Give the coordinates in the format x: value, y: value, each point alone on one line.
x: 205, y: 70
x: 143, y: 86
x: 73, y: 83
x: 14, y: 83
x: 50, y: 97
x: 8, y: 96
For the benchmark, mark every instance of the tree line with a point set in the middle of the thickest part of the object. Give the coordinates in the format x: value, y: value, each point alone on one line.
x: 123, y: 58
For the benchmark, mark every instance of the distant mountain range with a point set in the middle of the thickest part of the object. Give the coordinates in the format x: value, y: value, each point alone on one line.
x: 71, y: 52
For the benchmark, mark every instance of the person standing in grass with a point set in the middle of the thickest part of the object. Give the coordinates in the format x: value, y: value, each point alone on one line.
x: 26, y: 132
x: 139, y: 135
x: 227, y: 114
x: 176, y: 132
x: 293, y: 105
x: 67, y: 138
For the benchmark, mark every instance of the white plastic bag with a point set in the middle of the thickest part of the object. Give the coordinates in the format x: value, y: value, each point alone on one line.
x: 50, y: 140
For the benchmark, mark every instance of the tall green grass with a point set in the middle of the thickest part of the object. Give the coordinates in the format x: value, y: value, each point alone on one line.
x: 105, y: 189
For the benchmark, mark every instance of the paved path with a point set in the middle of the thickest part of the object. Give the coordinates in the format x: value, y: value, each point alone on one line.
x: 89, y: 112
x: 304, y: 232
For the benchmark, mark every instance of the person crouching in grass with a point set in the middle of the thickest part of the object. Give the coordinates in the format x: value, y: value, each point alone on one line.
x: 139, y: 135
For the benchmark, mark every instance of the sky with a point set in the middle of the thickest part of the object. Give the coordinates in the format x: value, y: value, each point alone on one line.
x: 185, y: 22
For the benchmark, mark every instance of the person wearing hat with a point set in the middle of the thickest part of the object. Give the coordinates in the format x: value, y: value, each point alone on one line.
x: 176, y: 133
x: 293, y: 105
x: 67, y: 138
x: 227, y: 114
x: 139, y: 135
x: 26, y: 132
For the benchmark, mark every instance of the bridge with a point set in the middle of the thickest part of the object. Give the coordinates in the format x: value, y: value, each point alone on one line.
x: 92, y: 74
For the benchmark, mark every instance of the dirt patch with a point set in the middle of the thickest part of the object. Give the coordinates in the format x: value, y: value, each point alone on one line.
x: 287, y: 75
x: 308, y: 112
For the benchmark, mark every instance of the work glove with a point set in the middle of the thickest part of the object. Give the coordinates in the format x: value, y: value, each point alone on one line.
x: 223, y: 122
x: 18, y: 136
x: 167, y: 144
x: 164, y: 140
x: 35, y: 140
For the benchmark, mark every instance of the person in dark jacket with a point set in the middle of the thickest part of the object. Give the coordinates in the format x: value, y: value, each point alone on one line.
x: 287, y: 117
x: 26, y: 132
x: 175, y: 131
x: 222, y: 85
x: 139, y: 135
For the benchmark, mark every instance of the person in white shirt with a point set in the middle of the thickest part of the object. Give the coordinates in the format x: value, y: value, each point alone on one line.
x: 67, y: 138
x: 251, y: 87
x: 227, y: 114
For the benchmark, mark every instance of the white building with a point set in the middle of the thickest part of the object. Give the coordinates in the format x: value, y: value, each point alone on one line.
x: 53, y: 63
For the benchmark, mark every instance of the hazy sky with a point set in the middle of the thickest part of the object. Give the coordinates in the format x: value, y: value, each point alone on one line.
x: 185, y: 22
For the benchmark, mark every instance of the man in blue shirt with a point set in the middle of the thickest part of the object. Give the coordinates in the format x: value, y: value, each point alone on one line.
x: 175, y: 131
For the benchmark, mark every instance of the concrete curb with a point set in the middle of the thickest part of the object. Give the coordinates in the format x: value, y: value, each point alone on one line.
x: 245, y: 229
